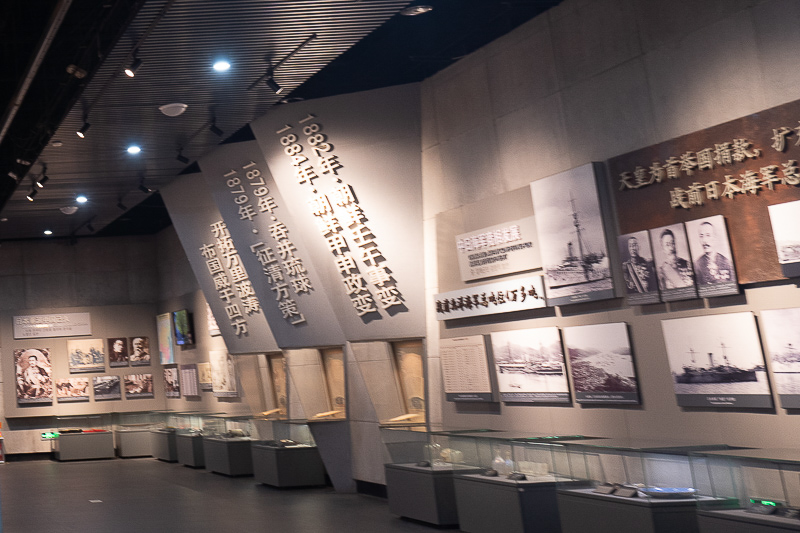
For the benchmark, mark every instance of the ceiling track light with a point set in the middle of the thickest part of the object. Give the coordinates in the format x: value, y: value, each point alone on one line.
x: 133, y: 67
x: 215, y: 130
x: 43, y: 178
x: 273, y: 85
x: 269, y: 75
x: 82, y: 132
x: 144, y: 188
x: 31, y: 195
x: 182, y: 158
x: 90, y: 227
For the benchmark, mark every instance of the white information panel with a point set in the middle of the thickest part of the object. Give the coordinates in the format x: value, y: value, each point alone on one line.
x: 57, y: 325
x: 465, y: 369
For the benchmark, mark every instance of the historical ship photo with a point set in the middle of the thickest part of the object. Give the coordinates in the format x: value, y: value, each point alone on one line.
x: 581, y: 265
x: 714, y: 373
x: 783, y: 340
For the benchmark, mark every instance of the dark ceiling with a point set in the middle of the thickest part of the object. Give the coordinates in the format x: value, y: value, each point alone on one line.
x: 62, y: 63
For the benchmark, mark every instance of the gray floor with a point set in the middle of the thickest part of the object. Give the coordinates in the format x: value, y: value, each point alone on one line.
x: 146, y: 495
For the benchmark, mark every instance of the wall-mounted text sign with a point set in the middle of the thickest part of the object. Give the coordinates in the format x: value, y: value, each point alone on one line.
x: 57, y: 325
x: 498, y: 250
x: 500, y: 297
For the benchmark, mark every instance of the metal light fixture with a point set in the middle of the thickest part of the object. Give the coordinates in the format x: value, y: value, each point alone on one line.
x: 182, y: 158
x: 273, y: 85
x: 413, y: 11
x: 133, y: 67
x: 121, y: 205
x: 31, y: 195
x: 43, y: 178
x: 90, y: 227
x: 82, y: 132
x: 215, y: 130
x: 144, y: 188
x: 269, y: 75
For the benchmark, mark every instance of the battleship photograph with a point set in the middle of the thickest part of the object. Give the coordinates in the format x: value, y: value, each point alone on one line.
x: 571, y: 239
x: 781, y: 329
x: 785, y: 220
x: 530, y: 366
x: 106, y: 388
x: 601, y: 362
x: 717, y: 361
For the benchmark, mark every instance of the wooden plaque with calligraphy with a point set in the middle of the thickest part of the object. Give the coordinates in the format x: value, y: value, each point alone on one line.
x: 736, y: 169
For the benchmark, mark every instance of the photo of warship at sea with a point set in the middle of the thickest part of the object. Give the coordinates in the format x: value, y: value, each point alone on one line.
x: 717, y: 355
x: 781, y: 329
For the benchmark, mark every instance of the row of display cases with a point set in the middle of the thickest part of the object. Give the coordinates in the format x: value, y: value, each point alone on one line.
x: 485, y: 480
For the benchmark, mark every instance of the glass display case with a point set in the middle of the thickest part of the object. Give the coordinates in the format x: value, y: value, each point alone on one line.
x: 288, y: 455
x: 637, y: 485
x: 132, y: 432
x: 753, y: 490
x: 82, y: 437
x: 227, y: 442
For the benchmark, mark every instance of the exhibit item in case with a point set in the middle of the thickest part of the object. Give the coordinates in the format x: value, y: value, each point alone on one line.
x: 204, y: 375
x: 33, y: 375
x: 781, y: 329
x: 714, y: 272
x: 785, y: 220
x: 165, y: 339
x: 333, y: 361
x: 140, y: 351
x: 277, y: 370
x: 673, y: 263
x: 408, y: 356
x: 107, y: 388
x: 184, y: 330
x: 118, y: 352
x: 86, y: 355
x: 138, y: 386
x: 213, y: 327
x: 172, y: 384
x: 638, y: 268
x: 601, y: 362
x: 570, y: 225
x: 223, y: 374
x: 465, y: 369
x: 72, y: 390
x: 716, y: 360
x: 530, y: 365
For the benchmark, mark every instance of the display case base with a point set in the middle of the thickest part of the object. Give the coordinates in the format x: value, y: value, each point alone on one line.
x: 739, y: 521
x: 491, y: 504
x: 83, y: 446
x: 163, y: 445
x: 190, y: 450
x: 584, y: 510
x: 134, y: 442
x: 232, y: 457
x: 288, y: 466
x: 422, y: 493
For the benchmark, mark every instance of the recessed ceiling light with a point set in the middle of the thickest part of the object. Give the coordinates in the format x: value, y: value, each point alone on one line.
x: 81, y: 199
x: 411, y: 11
x: 4, y: 219
x: 173, y: 110
x: 221, y: 65
x: 133, y: 149
x: 57, y: 144
x: 48, y: 232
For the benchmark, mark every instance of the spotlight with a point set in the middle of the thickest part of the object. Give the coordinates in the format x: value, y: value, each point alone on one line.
x: 121, y: 205
x: 41, y: 181
x: 13, y: 175
x: 182, y: 158
x: 133, y: 149
x: 24, y: 162
x: 82, y: 132
x: 31, y: 195
x: 215, y: 130
x: 134, y: 66
x: 272, y: 84
x: 144, y: 188
x: 81, y: 199
x: 412, y: 11
x: 222, y: 65
x: 48, y: 232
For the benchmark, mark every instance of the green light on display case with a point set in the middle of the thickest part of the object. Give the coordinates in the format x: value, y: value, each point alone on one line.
x: 764, y: 502
x: 47, y: 435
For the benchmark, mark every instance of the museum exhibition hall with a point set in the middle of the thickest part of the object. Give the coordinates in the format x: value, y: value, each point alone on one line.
x: 395, y: 265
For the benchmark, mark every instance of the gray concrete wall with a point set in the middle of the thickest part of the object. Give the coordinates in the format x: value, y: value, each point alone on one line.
x: 589, y: 80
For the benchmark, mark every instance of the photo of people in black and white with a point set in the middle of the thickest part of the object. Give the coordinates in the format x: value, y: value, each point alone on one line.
x: 638, y: 269
x: 86, y: 355
x: 172, y: 384
x: 118, y: 352
x: 711, y: 255
x: 34, y: 375
x: 107, y: 388
x: 673, y: 264
x: 138, y: 386
x: 72, y: 390
x: 140, y: 351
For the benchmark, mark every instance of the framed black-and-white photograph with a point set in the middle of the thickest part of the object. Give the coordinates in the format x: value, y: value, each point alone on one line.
x: 530, y: 366
x: 138, y: 386
x: 223, y: 375
x: 204, y: 375
x: 781, y: 329
x: 673, y: 263
x: 72, y: 390
x: 571, y: 237
x: 140, y: 351
x: 118, y: 352
x: 716, y: 361
x: 172, y: 382
x: 34, y: 375
x: 86, y: 355
x: 638, y: 268
x: 714, y: 272
x: 601, y: 363
x: 785, y: 221
x: 107, y: 388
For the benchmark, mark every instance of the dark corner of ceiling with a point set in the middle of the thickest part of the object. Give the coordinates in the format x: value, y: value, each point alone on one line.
x: 147, y: 218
